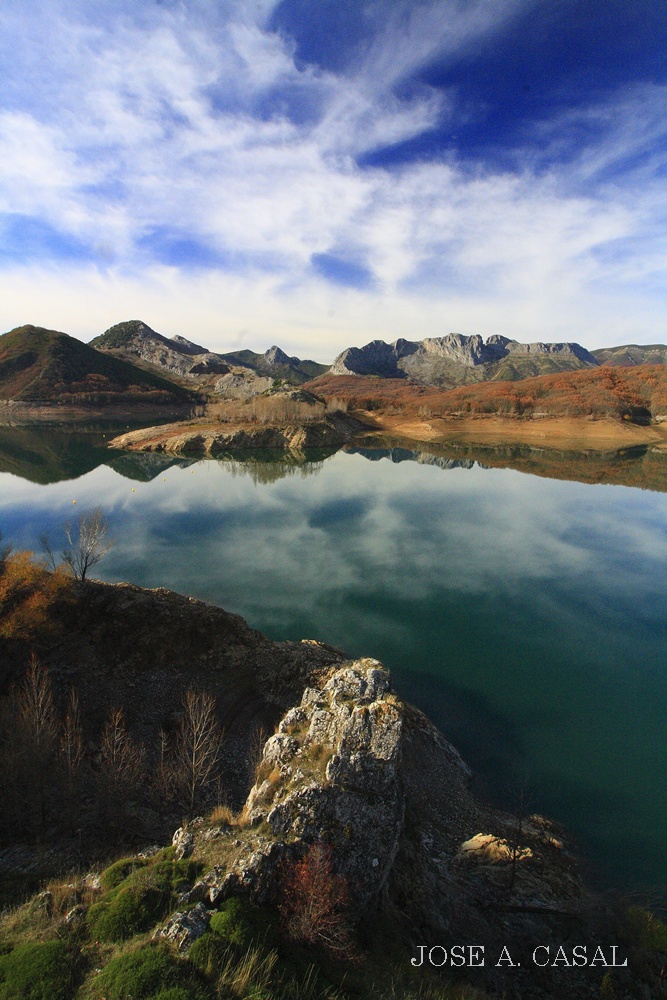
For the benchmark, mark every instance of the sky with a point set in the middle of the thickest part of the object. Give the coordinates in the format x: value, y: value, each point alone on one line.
x: 322, y: 173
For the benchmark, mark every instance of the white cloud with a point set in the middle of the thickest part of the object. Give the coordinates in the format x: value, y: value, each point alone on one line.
x: 175, y: 120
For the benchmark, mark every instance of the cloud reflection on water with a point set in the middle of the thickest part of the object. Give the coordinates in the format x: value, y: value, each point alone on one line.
x: 542, y: 600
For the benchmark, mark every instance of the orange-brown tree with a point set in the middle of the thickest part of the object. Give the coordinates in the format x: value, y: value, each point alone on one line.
x: 316, y: 901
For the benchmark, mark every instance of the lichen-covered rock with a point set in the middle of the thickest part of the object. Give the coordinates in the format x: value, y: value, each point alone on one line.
x: 372, y: 778
x: 487, y: 849
x: 280, y: 749
x: 184, y: 928
x: 330, y: 773
x: 183, y: 842
x: 293, y: 720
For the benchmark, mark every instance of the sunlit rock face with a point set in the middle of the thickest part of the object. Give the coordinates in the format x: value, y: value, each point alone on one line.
x: 178, y: 355
x: 356, y: 769
x: 451, y: 358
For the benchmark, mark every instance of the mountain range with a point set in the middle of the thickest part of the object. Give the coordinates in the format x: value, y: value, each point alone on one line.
x: 135, y: 340
x: 458, y: 360
x: 447, y: 362
x: 131, y: 362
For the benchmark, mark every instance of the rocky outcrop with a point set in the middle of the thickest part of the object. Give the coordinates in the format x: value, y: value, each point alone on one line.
x: 183, y: 843
x: 452, y: 359
x: 218, y: 440
x: 330, y: 773
x: 355, y: 771
x: 242, y: 385
x: 353, y: 767
x: 376, y: 358
x: 184, y: 928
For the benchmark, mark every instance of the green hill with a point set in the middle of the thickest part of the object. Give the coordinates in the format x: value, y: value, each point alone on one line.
x: 632, y: 354
x: 46, y: 365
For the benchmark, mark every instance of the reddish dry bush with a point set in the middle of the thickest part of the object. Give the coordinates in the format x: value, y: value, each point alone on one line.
x: 621, y: 393
x: 28, y: 592
x: 315, y: 903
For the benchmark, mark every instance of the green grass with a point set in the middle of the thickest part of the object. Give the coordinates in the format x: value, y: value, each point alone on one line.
x: 233, y: 923
x: 140, y: 899
x: 116, y: 873
x: 37, y: 972
x: 149, y: 973
x: 646, y: 930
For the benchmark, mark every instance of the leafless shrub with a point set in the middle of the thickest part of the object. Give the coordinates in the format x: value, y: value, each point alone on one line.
x: 164, y: 777
x: 88, y: 542
x: 335, y: 405
x: 37, y: 736
x: 120, y: 769
x: 198, y: 745
x: 71, y: 760
x: 271, y: 409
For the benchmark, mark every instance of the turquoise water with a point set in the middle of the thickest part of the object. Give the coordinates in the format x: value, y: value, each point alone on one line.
x: 525, y: 615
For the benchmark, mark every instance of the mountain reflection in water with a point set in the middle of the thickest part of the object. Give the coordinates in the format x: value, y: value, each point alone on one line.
x: 49, y: 455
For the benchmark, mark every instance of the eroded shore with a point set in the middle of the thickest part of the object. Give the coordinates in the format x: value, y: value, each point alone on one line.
x: 210, y: 437
x: 549, y: 432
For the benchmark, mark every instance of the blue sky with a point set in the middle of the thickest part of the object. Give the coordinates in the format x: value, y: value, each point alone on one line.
x: 321, y: 173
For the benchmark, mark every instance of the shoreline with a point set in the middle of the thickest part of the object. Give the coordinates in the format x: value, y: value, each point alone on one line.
x: 15, y: 413
x: 558, y: 433
x: 562, y: 433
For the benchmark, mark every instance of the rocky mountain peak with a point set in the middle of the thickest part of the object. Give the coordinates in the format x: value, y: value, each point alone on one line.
x: 448, y: 359
x: 187, y: 346
x: 274, y: 356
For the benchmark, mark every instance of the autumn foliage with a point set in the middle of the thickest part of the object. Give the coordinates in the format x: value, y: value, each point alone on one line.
x: 634, y: 393
x: 28, y: 593
x: 315, y: 903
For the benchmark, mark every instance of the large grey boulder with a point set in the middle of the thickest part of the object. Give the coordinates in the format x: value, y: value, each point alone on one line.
x: 330, y: 774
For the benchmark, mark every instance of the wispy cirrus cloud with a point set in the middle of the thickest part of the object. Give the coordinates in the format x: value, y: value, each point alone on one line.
x: 191, y: 149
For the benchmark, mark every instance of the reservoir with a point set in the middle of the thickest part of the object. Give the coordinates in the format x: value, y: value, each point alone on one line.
x: 526, y: 615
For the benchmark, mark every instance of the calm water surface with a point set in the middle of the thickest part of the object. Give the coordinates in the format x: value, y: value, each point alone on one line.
x: 525, y: 615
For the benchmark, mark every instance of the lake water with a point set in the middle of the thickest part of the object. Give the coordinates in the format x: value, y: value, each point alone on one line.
x: 525, y: 615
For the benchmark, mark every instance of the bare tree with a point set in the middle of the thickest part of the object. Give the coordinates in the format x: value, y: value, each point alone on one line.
x: 121, y: 767
x: 88, y: 541
x: 71, y: 759
x: 198, y: 743
x: 37, y: 734
x: 164, y: 777
x: 517, y: 851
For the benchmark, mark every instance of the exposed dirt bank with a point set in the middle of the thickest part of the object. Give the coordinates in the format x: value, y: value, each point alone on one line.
x: 548, y: 432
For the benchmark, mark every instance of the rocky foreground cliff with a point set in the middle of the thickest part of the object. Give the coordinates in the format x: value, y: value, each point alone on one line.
x: 411, y: 864
x: 356, y: 769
